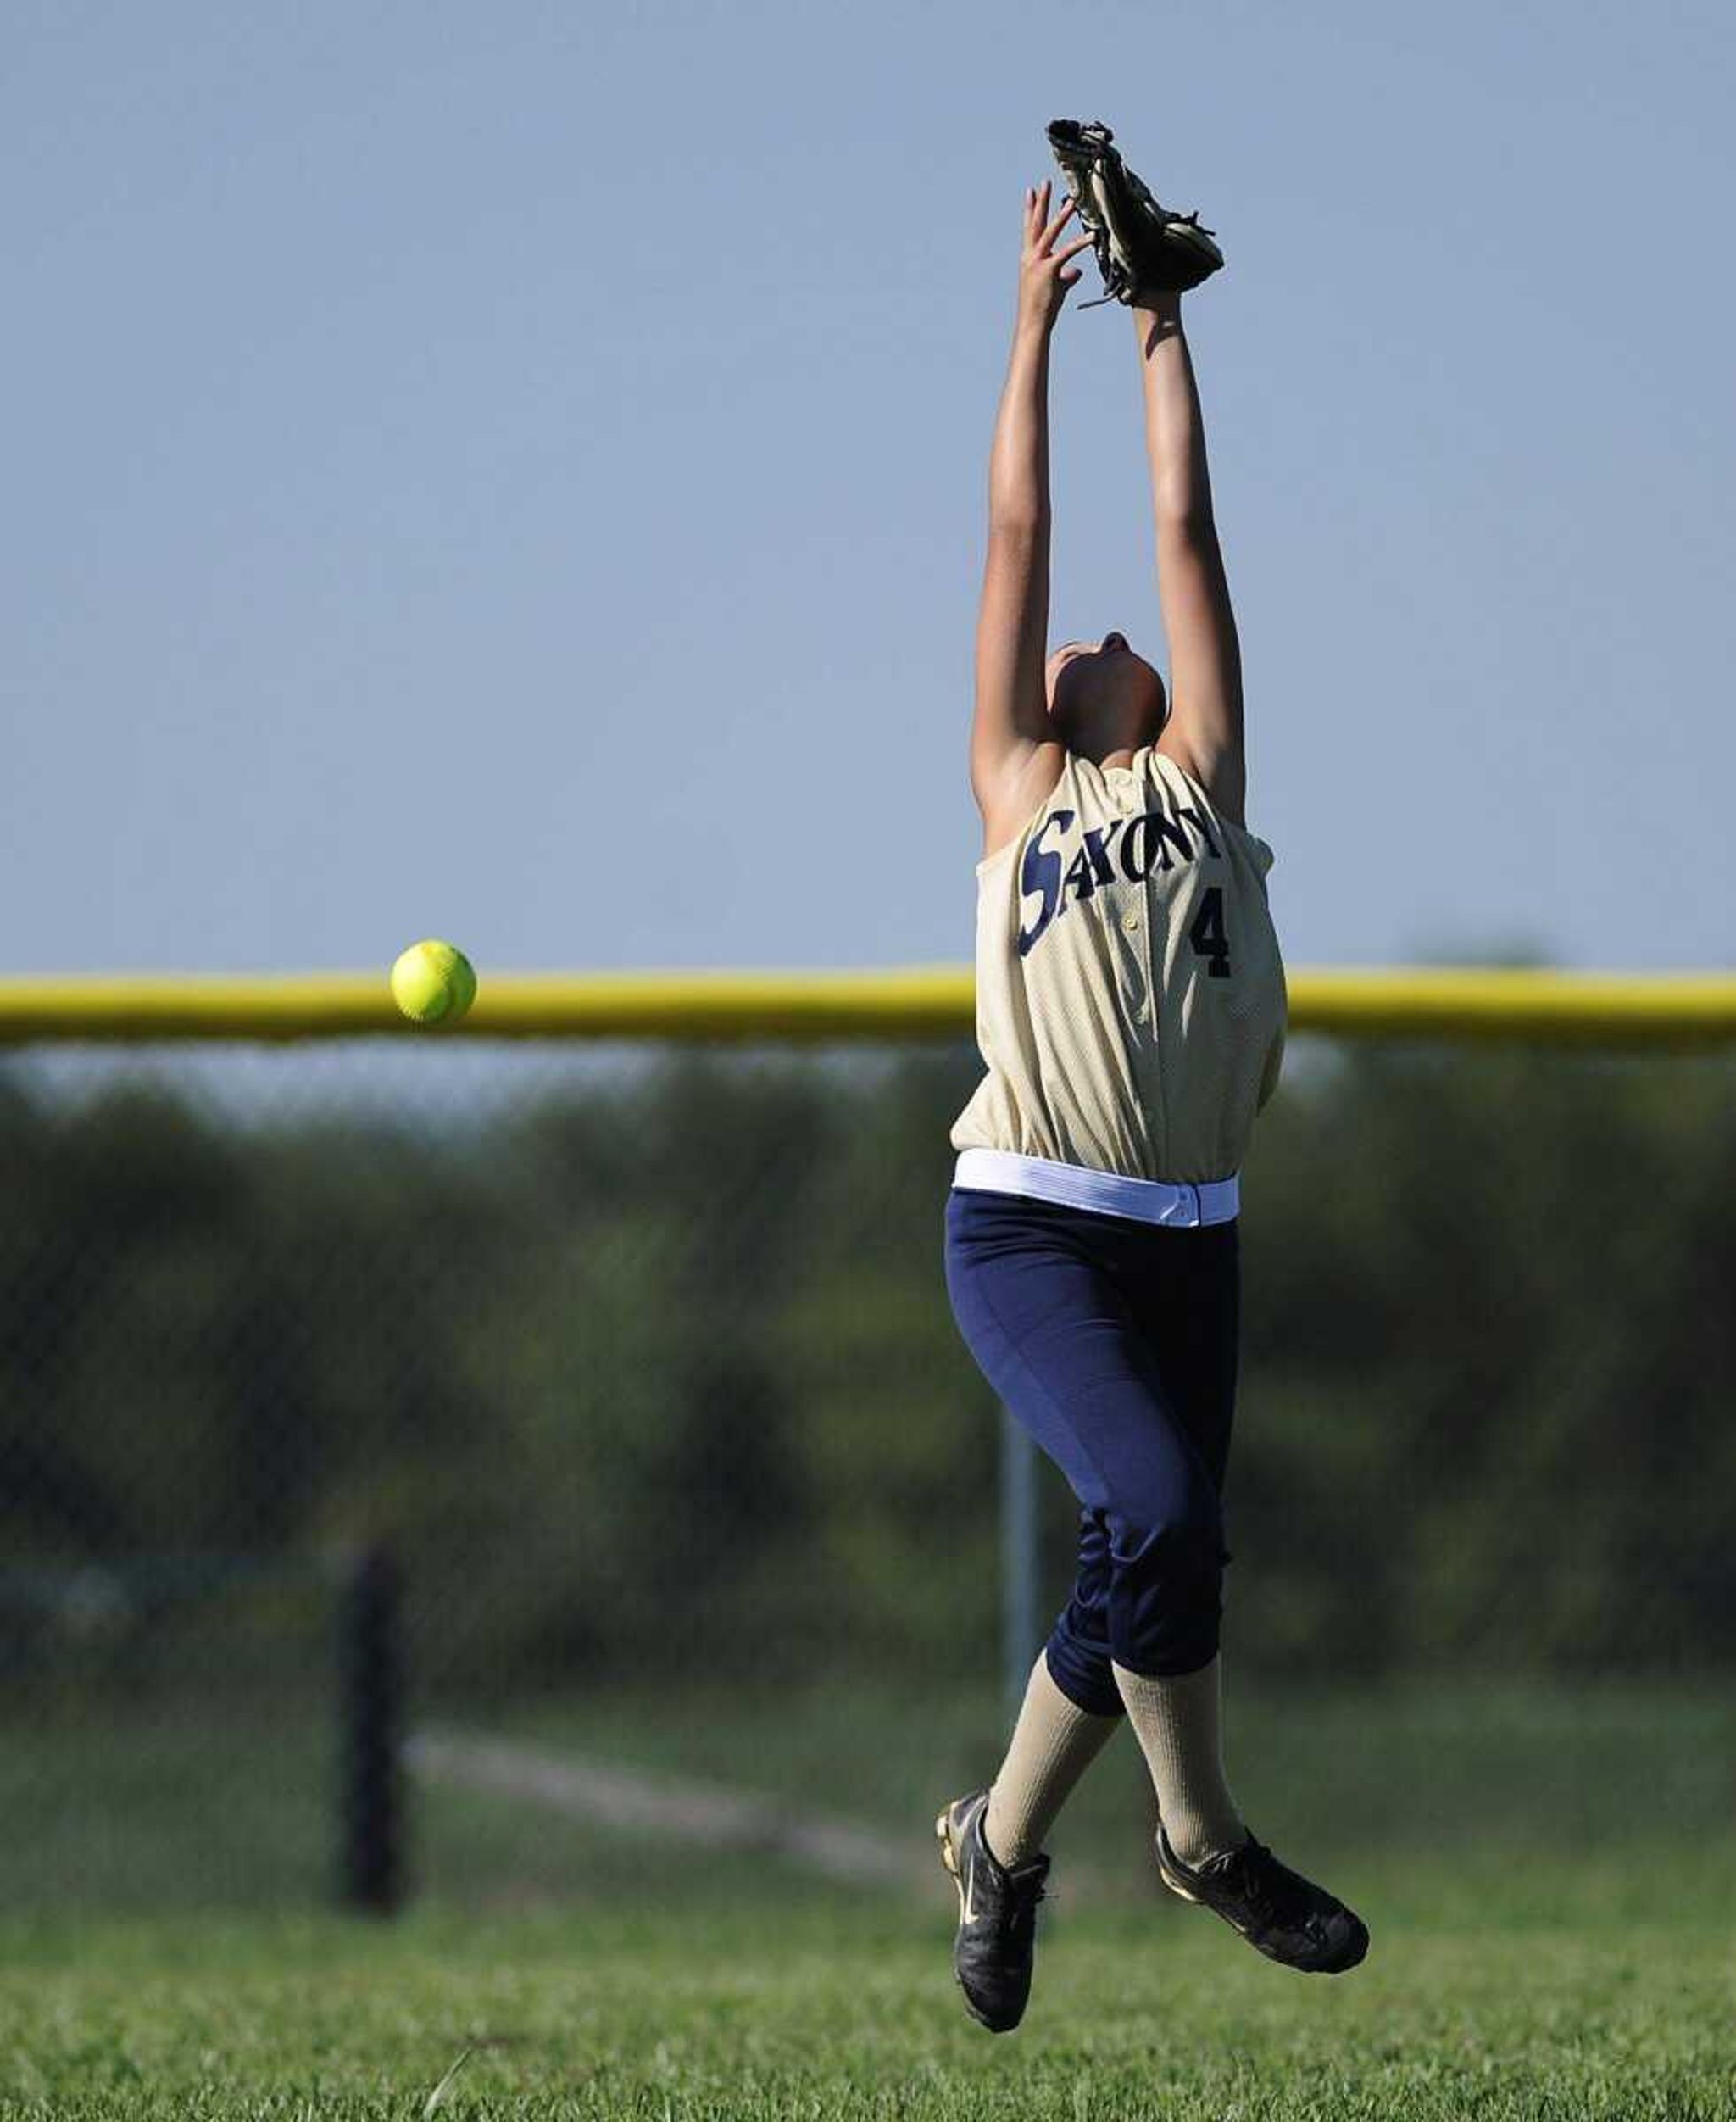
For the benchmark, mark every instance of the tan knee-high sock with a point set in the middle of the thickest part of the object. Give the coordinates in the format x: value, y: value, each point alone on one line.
x: 1054, y: 1743
x: 1175, y: 1722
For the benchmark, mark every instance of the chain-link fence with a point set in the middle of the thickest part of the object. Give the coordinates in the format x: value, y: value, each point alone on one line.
x: 637, y: 1363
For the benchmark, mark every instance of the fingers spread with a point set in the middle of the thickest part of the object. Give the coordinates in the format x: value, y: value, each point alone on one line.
x: 1061, y: 220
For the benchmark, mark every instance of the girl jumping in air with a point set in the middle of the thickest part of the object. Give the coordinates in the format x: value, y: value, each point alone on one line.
x: 1130, y: 1008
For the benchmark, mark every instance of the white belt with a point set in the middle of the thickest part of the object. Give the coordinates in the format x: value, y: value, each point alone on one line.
x: 1041, y: 1179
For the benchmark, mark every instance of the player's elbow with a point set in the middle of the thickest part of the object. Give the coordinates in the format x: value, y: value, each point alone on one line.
x: 1185, y: 515
x: 1016, y: 526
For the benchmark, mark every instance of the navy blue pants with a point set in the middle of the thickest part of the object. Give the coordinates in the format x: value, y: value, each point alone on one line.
x: 1113, y: 1343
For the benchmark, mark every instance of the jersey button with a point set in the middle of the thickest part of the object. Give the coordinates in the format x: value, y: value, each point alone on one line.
x: 1130, y: 922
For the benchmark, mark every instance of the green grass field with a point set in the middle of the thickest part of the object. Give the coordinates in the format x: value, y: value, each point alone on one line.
x: 1548, y: 1880
x: 825, y: 2009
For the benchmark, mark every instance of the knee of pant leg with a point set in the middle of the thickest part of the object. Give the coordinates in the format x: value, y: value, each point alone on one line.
x: 1083, y: 1672
x: 1167, y: 1597
x: 1183, y: 1544
x: 1166, y: 1610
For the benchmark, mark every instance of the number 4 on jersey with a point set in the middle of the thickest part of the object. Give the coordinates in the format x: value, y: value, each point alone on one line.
x: 1207, y: 934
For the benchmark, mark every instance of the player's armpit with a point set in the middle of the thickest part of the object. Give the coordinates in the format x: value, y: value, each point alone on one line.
x: 1205, y: 732
x: 1009, y: 806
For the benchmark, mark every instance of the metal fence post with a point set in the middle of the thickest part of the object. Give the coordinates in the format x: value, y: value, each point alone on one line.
x: 371, y: 1706
x: 1018, y: 1560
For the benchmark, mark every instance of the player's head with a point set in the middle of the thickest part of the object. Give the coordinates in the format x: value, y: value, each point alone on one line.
x: 1103, y: 696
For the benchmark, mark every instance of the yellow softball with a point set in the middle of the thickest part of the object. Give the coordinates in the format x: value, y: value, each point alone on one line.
x: 433, y: 983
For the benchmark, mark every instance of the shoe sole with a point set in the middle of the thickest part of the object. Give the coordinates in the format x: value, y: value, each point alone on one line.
x: 949, y: 1855
x: 1176, y: 1886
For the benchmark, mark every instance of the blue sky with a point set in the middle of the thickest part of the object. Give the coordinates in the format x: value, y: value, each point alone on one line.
x: 516, y: 472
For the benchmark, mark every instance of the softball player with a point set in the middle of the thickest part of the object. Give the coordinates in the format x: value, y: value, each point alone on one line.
x: 1130, y: 1010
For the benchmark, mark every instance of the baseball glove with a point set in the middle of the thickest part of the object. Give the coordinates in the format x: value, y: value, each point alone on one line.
x: 1143, y: 248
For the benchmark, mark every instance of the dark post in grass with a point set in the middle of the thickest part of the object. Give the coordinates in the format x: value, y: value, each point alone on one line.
x: 1020, y: 1634
x: 371, y: 1695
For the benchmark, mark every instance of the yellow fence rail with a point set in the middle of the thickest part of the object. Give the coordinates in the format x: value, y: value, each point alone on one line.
x: 1605, y: 1010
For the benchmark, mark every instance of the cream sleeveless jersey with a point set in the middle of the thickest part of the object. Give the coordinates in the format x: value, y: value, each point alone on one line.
x: 1130, y: 991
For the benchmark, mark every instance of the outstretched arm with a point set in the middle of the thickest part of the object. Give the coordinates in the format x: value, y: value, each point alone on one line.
x: 1011, y: 722
x: 1204, y: 733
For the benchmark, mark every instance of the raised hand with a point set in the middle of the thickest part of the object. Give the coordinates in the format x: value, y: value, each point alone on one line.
x: 1045, y: 273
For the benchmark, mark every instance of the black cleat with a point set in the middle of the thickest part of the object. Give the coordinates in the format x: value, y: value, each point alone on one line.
x: 997, y: 1939
x: 1281, y: 1914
